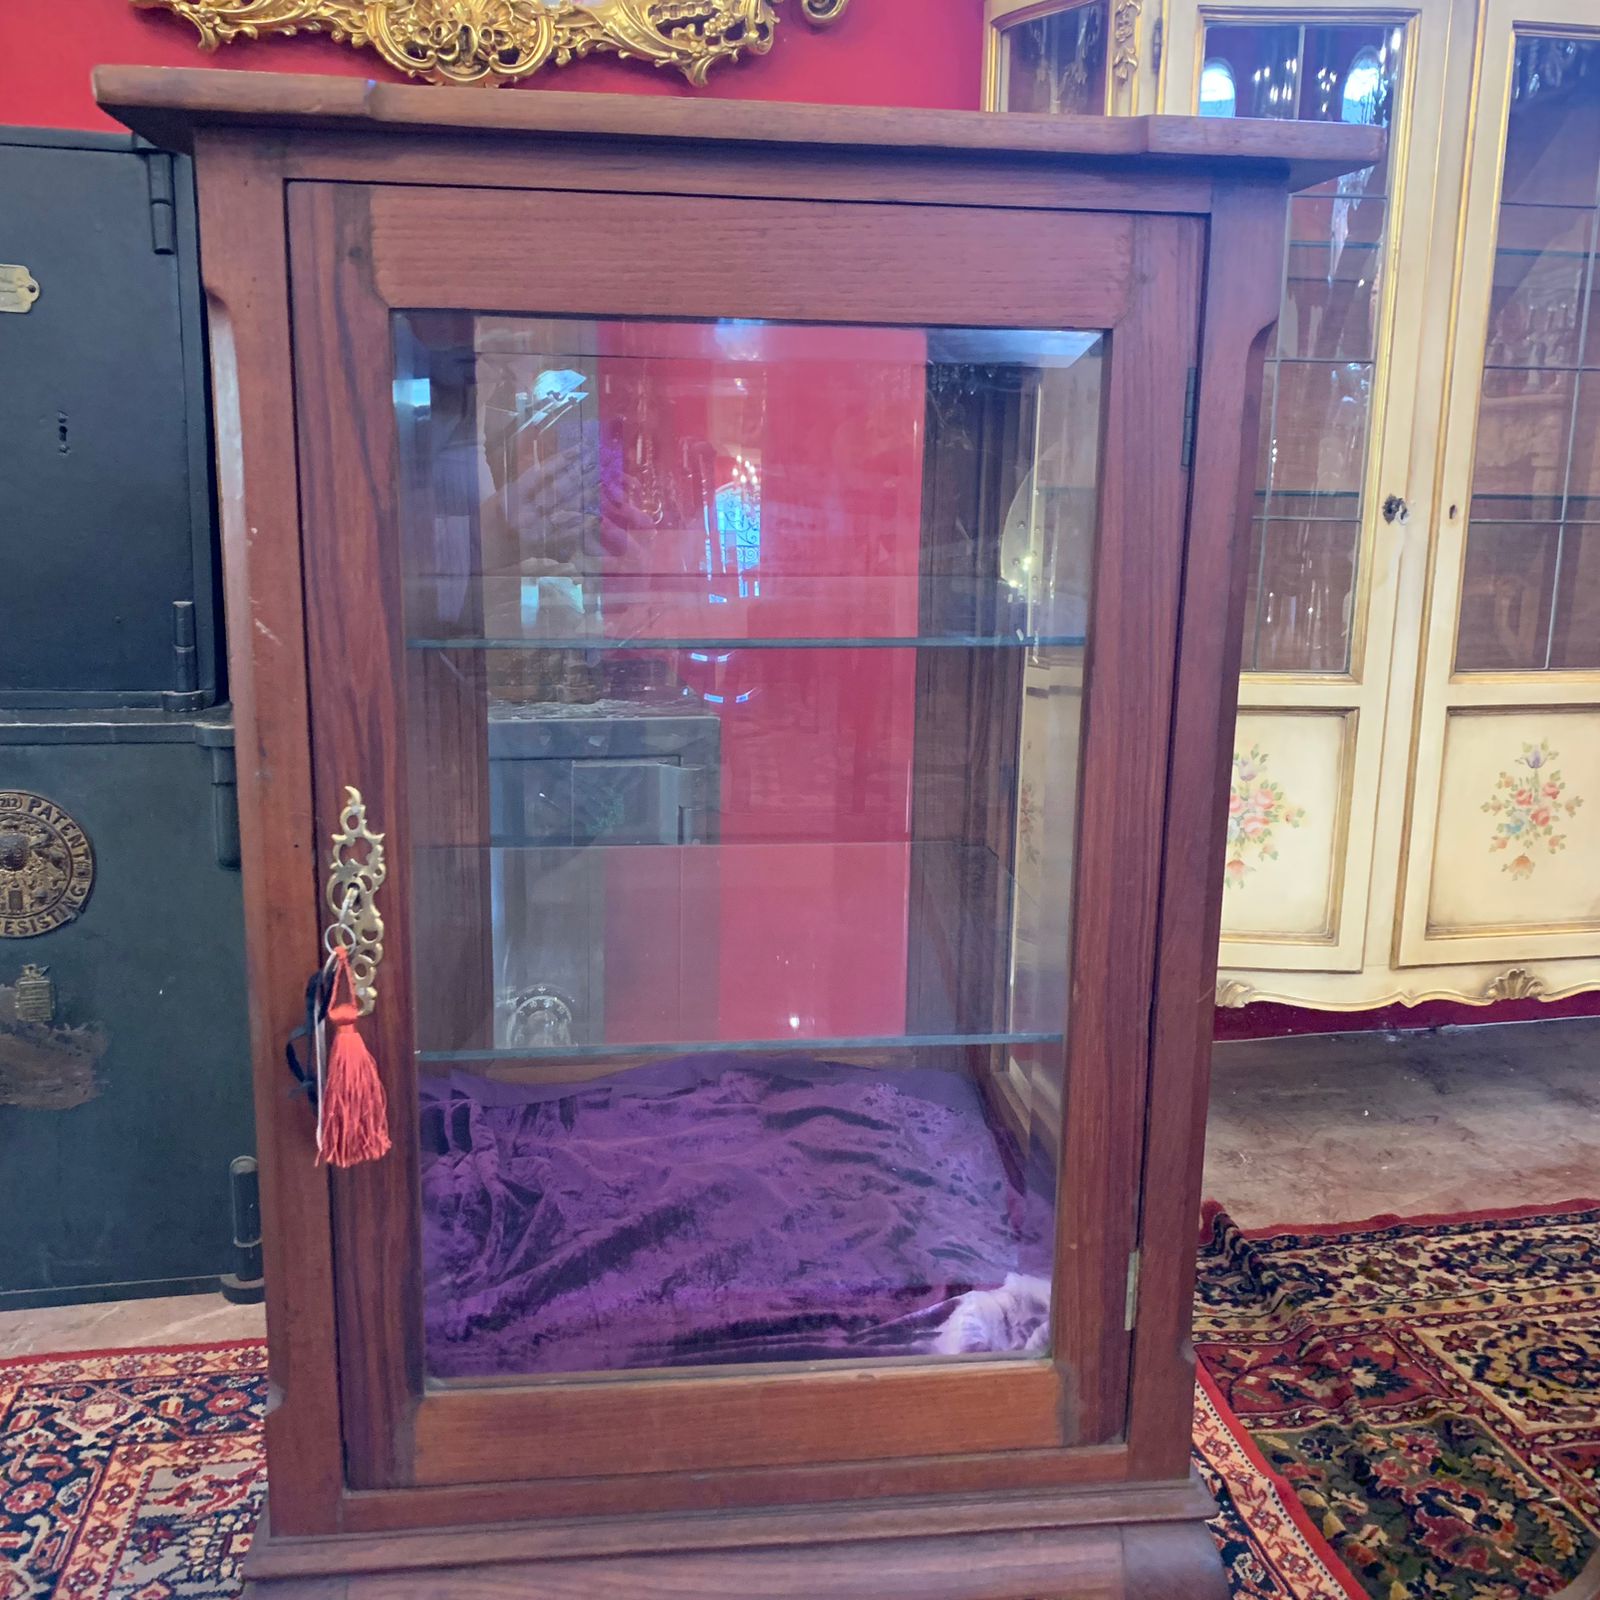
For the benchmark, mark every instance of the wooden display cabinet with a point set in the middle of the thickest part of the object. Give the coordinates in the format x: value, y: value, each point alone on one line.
x: 769, y: 576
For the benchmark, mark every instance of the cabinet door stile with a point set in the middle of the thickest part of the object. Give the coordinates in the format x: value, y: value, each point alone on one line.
x: 348, y: 498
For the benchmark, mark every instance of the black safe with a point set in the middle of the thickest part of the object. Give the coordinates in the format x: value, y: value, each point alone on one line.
x: 124, y: 1063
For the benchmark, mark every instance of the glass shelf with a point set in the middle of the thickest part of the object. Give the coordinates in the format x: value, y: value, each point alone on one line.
x: 971, y: 641
x: 817, y: 1047
x: 781, y: 942
x: 609, y: 610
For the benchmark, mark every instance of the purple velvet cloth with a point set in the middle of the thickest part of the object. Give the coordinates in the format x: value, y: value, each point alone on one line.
x: 708, y: 1209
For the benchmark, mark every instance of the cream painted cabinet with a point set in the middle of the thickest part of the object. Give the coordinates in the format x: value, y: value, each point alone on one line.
x: 1416, y: 804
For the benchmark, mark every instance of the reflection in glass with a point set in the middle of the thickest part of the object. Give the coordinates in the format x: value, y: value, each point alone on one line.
x: 1317, y: 404
x: 1506, y: 589
x: 1575, y: 622
x: 1300, y: 600
x: 1528, y: 595
x: 1056, y: 64
x: 746, y: 668
x: 1219, y: 94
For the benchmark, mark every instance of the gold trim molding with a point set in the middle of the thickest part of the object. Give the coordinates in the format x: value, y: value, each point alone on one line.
x: 500, y: 41
x: 1517, y: 983
x: 1125, y: 40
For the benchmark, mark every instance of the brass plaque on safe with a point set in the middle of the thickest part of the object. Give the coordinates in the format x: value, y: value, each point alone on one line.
x: 46, y: 865
x: 18, y: 288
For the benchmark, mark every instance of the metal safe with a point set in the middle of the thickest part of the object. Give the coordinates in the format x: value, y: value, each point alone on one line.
x: 124, y: 1073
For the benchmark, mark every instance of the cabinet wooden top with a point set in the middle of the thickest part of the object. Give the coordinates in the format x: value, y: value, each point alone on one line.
x: 165, y: 104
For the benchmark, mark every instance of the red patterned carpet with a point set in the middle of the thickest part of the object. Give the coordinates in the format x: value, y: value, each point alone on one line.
x: 1429, y: 1387
x: 130, y: 1475
x: 1422, y: 1400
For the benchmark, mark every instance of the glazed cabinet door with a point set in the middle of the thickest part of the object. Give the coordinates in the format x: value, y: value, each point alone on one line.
x: 751, y: 624
x: 1071, y: 57
x: 1503, y: 860
x: 1332, y: 524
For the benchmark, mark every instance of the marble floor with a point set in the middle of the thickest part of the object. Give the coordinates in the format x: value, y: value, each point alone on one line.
x: 119, y: 1324
x: 1339, y: 1127
x: 1329, y: 1128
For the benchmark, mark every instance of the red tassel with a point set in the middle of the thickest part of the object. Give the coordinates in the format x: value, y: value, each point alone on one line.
x: 355, y: 1111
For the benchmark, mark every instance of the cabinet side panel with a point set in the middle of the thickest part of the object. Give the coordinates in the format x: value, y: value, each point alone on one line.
x: 1123, y: 798
x: 246, y: 279
x: 1241, y: 303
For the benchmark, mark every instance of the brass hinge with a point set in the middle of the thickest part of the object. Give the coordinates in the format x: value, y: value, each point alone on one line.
x: 1130, y: 1304
x: 1155, y: 46
x: 1191, y: 386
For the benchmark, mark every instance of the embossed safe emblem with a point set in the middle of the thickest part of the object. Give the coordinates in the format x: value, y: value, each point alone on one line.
x: 46, y: 865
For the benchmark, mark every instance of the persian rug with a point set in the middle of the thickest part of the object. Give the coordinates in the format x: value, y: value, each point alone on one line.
x: 131, y: 1474
x: 1429, y: 1388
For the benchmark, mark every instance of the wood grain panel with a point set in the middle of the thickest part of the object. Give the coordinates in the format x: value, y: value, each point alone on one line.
x: 776, y: 172
x: 344, y: 371
x: 1072, y: 1506
x: 861, y: 1546
x: 1122, y: 814
x: 751, y: 1420
x: 977, y: 1478
x: 245, y: 269
x: 542, y: 251
x: 1084, y: 1565
x: 166, y: 104
x: 1241, y: 286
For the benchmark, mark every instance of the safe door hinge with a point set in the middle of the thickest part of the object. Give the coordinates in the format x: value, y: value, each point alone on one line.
x: 1190, y: 388
x: 1130, y: 1304
x: 163, y: 203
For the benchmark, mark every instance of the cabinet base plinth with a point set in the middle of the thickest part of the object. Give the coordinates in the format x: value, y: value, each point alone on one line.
x: 1112, y: 1560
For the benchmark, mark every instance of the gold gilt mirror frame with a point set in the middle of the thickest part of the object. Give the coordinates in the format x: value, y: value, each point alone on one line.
x: 499, y: 41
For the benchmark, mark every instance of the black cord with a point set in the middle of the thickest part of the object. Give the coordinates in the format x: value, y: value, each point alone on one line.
x: 319, y: 988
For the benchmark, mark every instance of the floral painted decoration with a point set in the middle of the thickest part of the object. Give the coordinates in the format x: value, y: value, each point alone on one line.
x: 1255, y: 808
x: 1529, y: 804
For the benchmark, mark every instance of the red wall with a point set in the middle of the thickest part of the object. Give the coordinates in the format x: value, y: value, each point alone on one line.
x: 807, y: 892
x: 881, y: 52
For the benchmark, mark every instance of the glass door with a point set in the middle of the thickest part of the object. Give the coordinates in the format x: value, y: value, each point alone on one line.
x: 1081, y: 58
x: 761, y: 689
x: 1503, y: 847
x: 767, y: 640
x: 1332, y: 527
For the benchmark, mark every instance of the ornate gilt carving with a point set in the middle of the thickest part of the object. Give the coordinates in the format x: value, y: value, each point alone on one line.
x: 1231, y: 994
x: 499, y: 41
x: 1125, y: 39
x: 356, y: 872
x: 1515, y: 984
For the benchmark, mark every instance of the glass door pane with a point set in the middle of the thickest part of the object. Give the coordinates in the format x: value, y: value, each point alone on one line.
x: 1317, y: 401
x: 1530, y: 591
x: 744, y: 660
x: 1054, y: 63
